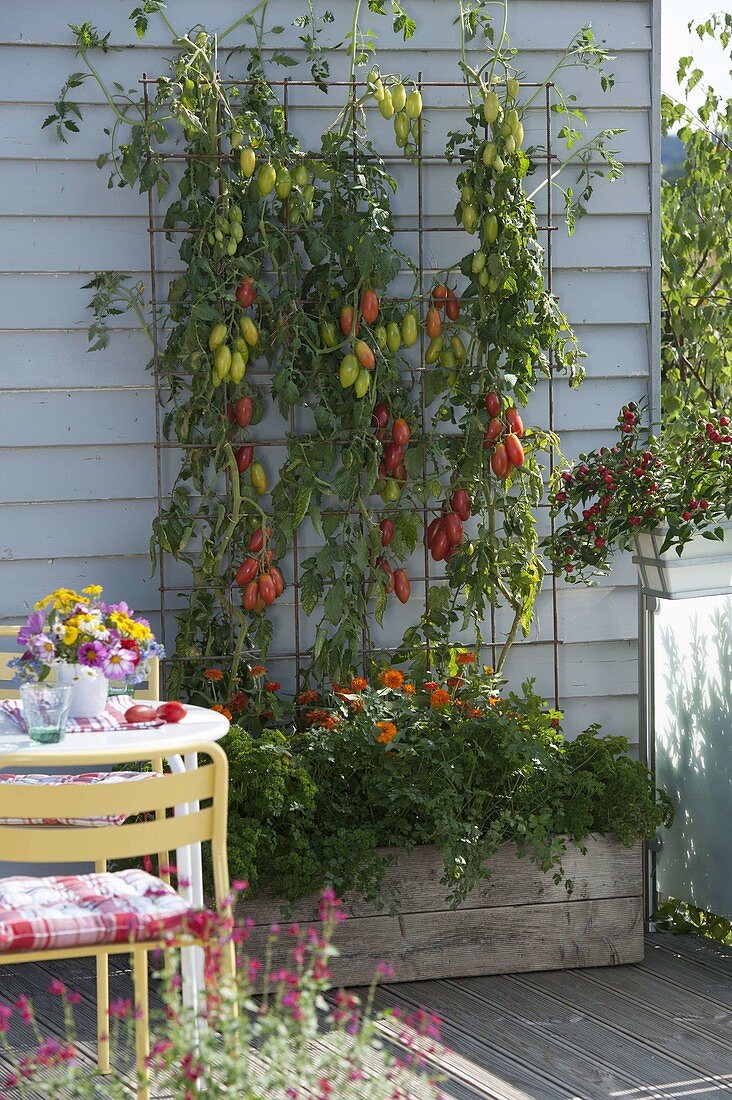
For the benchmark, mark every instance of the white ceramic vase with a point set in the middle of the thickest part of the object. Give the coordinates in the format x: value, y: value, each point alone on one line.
x: 89, y: 689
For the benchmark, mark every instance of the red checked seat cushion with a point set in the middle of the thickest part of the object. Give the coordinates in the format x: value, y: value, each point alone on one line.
x: 72, y: 780
x: 68, y: 911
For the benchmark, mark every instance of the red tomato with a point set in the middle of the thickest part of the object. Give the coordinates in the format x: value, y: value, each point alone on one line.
x: 400, y: 472
x: 514, y: 450
x: 453, y: 527
x: 499, y: 462
x: 439, y: 294
x: 230, y: 413
x: 431, y: 531
x: 365, y: 355
x: 346, y: 320
x: 247, y: 571
x: 493, y: 404
x: 440, y: 543
x: 380, y: 416
x: 515, y: 422
x: 245, y: 293
x: 452, y: 305
x: 383, y: 564
x: 250, y: 597
x: 433, y: 323
x: 460, y: 503
x: 244, y: 458
x: 495, y: 428
x: 256, y: 542
x: 267, y: 590
x: 400, y: 432
x: 393, y: 455
x: 173, y: 711
x: 370, y: 307
x: 382, y: 471
x: 387, y: 531
x: 138, y: 713
x: 244, y: 411
x: 279, y: 580
x: 402, y: 587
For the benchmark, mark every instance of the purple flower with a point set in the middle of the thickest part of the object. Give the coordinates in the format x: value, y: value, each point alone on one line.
x: 43, y: 648
x: 119, y: 663
x: 123, y: 607
x: 34, y: 626
x: 92, y: 654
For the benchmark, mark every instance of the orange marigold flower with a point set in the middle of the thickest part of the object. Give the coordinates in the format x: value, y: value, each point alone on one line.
x: 460, y: 703
x: 257, y: 670
x: 213, y: 674
x: 430, y: 685
x: 317, y: 717
x: 494, y: 700
x: 222, y: 710
x: 359, y: 684
x: 272, y: 685
x: 465, y: 658
x: 456, y: 681
x: 355, y: 704
x: 239, y: 700
x: 309, y: 696
x: 408, y: 689
x: 391, y: 678
x: 329, y: 722
x: 388, y: 732
x: 475, y: 712
x: 439, y: 698
x: 488, y: 669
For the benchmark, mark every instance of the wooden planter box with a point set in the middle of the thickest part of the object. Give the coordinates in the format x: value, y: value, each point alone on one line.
x: 517, y: 920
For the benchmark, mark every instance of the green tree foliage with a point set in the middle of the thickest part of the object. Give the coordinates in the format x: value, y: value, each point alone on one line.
x: 696, y: 206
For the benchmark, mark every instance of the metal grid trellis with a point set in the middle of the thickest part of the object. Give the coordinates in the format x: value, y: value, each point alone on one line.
x: 420, y: 159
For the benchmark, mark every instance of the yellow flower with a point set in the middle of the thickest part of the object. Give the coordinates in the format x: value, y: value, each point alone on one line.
x: 93, y: 590
x: 128, y: 628
x: 63, y: 599
x: 70, y: 635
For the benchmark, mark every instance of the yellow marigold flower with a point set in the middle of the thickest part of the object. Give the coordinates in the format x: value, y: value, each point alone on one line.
x: 439, y: 698
x: 93, y: 590
x: 70, y: 635
x: 494, y: 699
x: 465, y: 659
x: 359, y: 684
x: 408, y: 689
x: 488, y: 669
x: 388, y: 732
x: 355, y: 704
x: 391, y: 678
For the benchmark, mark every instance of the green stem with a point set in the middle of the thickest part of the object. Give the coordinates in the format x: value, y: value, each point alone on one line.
x: 261, y: 6
x: 501, y: 40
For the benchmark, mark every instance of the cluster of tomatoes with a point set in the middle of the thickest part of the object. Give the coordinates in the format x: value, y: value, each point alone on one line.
x: 293, y: 187
x: 392, y: 473
x: 503, y: 436
x: 242, y: 412
x: 445, y: 348
x: 262, y: 582
x: 445, y: 533
x: 405, y: 108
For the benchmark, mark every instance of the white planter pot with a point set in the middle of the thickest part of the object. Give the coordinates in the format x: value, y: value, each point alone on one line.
x: 703, y: 569
x: 89, y: 689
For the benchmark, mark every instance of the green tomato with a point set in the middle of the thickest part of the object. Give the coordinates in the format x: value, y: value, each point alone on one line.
x: 518, y: 135
x: 236, y: 138
x: 266, y: 179
x: 447, y: 359
x: 301, y: 176
x: 348, y: 371
x: 393, y: 336
x: 478, y: 262
x: 283, y: 184
x: 452, y: 379
x: 489, y: 154
x: 386, y: 105
x: 510, y: 145
x: 470, y: 218
x: 490, y: 229
x: 498, y: 165
x: 512, y: 120
x: 410, y: 329
x: 399, y: 96
x: 362, y: 383
x: 247, y: 162
x: 467, y: 194
x: 413, y: 105
x: 484, y: 278
x: 434, y: 350
x: 491, y: 107
x: 513, y: 87
x: 401, y: 129
x: 237, y: 231
x: 392, y: 490
x: 231, y: 246
x: 216, y: 336
x: 458, y: 349
x: 238, y: 367
x: 236, y: 214
x: 328, y: 334
x: 380, y: 336
x: 222, y: 360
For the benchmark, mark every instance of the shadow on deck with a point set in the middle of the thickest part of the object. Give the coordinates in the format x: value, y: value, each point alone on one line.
x: 660, y: 1030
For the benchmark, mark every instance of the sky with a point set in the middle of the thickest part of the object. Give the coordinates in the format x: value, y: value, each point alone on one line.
x: 676, y: 42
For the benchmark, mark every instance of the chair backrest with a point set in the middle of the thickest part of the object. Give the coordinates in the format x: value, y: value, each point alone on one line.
x: 94, y: 843
x: 9, y: 691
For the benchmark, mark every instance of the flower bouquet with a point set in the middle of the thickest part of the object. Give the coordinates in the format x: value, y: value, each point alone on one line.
x: 87, y: 643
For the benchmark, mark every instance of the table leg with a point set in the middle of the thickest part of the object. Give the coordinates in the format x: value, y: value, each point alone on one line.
x: 190, y: 879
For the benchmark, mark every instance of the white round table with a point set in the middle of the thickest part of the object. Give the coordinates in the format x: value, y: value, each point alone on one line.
x: 171, y: 741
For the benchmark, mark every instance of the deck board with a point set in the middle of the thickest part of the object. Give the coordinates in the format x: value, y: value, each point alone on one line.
x: 659, y: 1030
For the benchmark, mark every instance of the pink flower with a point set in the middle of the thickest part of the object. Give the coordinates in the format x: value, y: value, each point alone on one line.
x: 119, y: 663
x: 92, y: 654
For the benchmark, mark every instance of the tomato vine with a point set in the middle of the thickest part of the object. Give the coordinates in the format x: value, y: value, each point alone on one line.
x: 289, y: 264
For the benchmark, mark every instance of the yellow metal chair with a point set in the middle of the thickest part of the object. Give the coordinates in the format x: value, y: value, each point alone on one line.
x: 97, y: 844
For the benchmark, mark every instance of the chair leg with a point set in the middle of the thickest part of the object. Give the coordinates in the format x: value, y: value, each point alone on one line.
x: 142, y: 1022
x: 103, y: 1062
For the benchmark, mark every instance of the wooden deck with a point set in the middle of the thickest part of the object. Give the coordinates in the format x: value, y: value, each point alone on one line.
x: 660, y: 1030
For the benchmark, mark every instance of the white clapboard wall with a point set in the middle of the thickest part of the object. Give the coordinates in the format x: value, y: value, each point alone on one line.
x: 77, y: 465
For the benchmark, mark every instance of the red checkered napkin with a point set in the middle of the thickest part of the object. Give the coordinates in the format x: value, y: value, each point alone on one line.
x: 113, y: 717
